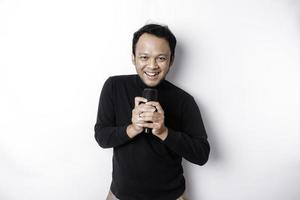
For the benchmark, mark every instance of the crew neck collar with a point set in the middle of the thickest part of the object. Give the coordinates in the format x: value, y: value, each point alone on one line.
x: 142, y: 85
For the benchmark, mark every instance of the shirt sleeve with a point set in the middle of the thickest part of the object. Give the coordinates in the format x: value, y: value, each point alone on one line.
x: 190, y: 143
x: 107, y: 134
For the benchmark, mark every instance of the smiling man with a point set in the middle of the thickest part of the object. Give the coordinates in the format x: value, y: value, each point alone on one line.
x: 152, y: 59
x: 147, y: 166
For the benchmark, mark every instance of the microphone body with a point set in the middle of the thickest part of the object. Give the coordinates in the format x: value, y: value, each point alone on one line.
x: 150, y: 94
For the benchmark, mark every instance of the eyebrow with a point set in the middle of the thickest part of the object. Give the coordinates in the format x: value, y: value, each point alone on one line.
x: 161, y: 54
x: 143, y: 53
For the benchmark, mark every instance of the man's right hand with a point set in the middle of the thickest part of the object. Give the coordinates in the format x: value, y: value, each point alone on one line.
x: 137, y: 123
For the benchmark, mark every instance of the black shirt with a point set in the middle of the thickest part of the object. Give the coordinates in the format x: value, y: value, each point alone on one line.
x: 145, y: 167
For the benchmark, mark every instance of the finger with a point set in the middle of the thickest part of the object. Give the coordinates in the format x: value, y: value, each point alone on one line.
x: 146, y: 125
x: 153, y: 117
x: 147, y: 114
x: 147, y: 119
x: 137, y: 126
x: 135, y: 114
x: 145, y: 108
x: 156, y: 105
x: 157, y: 125
x: 138, y: 119
x: 138, y: 100
x: 157, y: 118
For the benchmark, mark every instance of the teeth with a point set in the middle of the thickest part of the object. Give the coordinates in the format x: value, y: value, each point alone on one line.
x: 151, y: 73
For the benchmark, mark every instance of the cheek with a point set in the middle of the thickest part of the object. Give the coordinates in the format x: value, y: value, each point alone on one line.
x: 141, y: 65
x: 165, y: 67
x: 139, y: 68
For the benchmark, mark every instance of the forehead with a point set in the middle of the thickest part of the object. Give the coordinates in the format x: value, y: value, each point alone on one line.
x: 149, y: 43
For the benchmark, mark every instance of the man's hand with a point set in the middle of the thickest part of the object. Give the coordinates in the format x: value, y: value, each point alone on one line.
x: 138, y: 123
x: 144, y: 116
x: 157, y: 119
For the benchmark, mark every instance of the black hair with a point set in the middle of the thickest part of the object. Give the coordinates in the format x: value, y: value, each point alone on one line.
x: 159, y: 31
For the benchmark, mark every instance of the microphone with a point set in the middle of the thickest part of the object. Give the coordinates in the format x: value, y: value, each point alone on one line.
x: 151, y: 95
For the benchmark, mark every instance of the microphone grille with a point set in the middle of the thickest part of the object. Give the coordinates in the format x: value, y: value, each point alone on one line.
x: 150, y: 94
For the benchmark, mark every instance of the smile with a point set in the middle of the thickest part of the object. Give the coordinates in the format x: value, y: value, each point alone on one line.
x: 151, y: 75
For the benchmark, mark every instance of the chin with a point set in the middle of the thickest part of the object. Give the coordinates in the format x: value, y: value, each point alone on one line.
x: 151, y: 83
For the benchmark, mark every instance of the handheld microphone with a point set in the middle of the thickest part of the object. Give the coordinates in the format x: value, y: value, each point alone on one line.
x: 151, y: 95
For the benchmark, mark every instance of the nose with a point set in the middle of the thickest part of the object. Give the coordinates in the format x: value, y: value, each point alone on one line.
x: 153, y: 64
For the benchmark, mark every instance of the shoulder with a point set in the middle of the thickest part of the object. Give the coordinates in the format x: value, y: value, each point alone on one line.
x: 186, y: 101
x: 122, y: 77
x: 177, y: 91
x: 117, y: 79
x: 117, y: 83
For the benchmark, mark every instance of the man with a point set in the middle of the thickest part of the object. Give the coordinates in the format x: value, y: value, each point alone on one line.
x: 147, y: 166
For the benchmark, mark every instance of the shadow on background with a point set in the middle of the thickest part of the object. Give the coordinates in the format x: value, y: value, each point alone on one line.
x: 177, y: 67
x: 294, y: 5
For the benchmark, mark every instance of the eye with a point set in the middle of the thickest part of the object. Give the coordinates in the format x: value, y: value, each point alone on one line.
x: 143, y: 57
x: 162, y: 58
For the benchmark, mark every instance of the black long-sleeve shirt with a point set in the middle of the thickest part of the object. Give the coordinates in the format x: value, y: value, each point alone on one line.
x: 145, y: 167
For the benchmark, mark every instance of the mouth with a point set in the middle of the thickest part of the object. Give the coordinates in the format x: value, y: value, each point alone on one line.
x: 151, y: 75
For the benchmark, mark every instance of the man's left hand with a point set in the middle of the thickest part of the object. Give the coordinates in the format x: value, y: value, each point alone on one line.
x: 158, y: 120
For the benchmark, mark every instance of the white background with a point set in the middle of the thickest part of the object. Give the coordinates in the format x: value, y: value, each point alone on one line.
x: 238, y: 58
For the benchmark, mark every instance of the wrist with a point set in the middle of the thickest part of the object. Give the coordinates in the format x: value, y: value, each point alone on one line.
x: 164, y: 134
x: 131, y: 131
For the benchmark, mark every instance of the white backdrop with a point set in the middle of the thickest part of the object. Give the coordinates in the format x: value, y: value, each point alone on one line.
x: 238, y: 58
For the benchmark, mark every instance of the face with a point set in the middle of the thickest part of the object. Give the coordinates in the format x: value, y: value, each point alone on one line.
x: 152, y: 59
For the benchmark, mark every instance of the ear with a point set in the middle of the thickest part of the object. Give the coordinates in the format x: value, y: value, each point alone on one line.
x: 172, y: 61
x: 133, y: 59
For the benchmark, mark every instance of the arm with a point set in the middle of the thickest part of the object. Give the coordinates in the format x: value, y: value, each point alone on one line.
x: 190, y: 143
x: 107, y: 134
